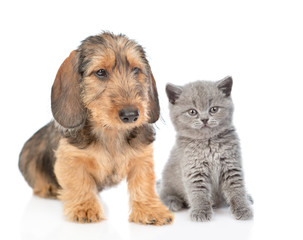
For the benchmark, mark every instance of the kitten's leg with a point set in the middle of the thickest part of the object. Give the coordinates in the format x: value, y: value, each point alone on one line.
x: 197, y: 183
x: 171, y: 189
x: 169, y: 193
x: 234, y: 191
x: 174, y: 203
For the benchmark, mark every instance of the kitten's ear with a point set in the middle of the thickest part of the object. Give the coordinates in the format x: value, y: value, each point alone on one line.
x: 173, y: 92
x: 225, y: 85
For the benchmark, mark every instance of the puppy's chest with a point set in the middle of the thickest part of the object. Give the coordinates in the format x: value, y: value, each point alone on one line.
x: 111, y: 169
x: 107, y: 166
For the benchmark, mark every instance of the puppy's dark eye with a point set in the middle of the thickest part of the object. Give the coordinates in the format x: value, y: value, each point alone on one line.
x: 101, y: 73
x: 213, y: 110
x: 192, y: 112
x: 136, y: 70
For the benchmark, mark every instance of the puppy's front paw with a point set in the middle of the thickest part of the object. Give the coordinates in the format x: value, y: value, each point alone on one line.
x: 88, y: 212
x: 151, y: 214
x: 83, y: 215
x: 201, y: 215
x: 242, y: 212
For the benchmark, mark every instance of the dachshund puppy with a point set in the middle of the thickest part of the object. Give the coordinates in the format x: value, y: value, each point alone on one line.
x: 104, y: 101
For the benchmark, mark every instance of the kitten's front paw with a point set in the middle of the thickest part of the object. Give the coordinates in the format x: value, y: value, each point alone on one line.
x: 242, y: 212
x: 173, y: 203
x: 201, y: 215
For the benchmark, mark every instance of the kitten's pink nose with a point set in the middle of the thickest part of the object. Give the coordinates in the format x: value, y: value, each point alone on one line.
x: 204, y: 120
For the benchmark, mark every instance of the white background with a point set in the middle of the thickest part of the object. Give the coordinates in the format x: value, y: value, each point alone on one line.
x: 259, y: 43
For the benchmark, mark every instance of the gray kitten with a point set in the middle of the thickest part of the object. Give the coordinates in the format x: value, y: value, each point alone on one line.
x: 204, y: 169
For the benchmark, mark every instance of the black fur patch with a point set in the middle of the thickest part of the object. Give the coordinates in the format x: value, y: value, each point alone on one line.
x: 39, y: 151
x: 80, y: 138
x: 141, y: 135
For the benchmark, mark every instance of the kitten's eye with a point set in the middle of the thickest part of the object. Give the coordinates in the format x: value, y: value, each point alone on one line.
x: 101, y: 73
x: 214, y: 110
x: 136, y: 70
x: 192, y: 112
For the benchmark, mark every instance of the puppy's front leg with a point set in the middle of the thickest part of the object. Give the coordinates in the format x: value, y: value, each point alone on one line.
x: 145, y: 205
x: 79, y: 193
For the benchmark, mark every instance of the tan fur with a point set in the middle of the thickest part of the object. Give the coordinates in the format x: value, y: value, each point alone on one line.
x: 82, y: 172
x: 79, y: 172
x: 88, y: 147
x: 144, y: 203
x: 43, y: 188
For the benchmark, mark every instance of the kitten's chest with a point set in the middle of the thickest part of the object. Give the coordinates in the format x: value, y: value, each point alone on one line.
x: 205, y: 155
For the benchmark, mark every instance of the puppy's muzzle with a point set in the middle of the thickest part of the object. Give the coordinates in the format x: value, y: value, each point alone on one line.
x: 129, y: 115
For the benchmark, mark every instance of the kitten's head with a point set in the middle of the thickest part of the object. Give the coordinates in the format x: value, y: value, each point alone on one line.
x: 201, y: 109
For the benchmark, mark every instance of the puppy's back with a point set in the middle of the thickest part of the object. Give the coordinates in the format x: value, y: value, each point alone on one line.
x: 36, y: 161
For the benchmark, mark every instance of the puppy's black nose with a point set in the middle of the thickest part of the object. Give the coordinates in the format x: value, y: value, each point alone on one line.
x: 129, y: 115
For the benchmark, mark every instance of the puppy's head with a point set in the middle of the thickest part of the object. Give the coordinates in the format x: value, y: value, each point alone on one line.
x: 107, y: 81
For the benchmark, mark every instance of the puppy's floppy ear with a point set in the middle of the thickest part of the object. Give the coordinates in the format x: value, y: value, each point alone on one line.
x: 154, y: 108
x: 67, y: 107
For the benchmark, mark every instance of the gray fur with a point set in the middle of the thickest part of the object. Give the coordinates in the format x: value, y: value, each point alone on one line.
x: 204, y: 169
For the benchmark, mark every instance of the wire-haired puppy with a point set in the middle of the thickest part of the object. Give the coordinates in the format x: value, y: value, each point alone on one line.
x: 104, y: 101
